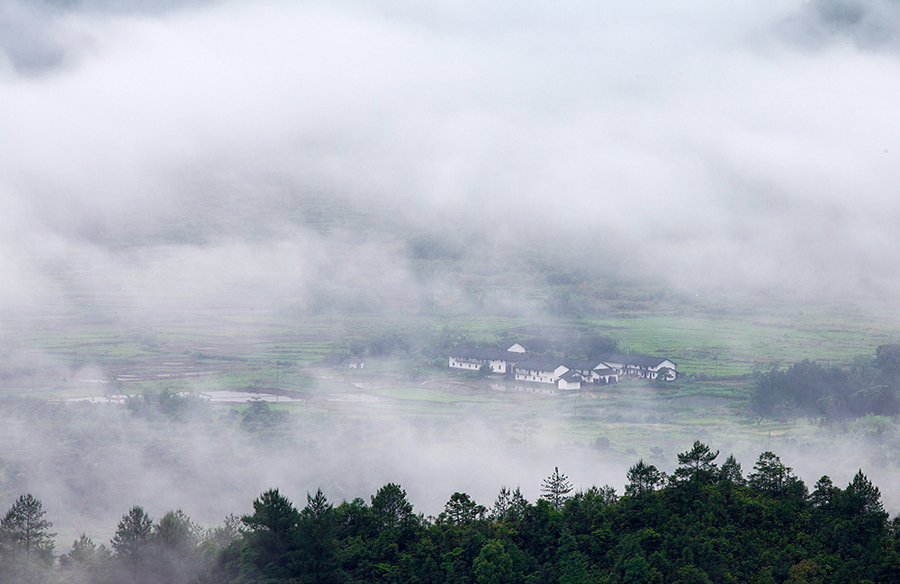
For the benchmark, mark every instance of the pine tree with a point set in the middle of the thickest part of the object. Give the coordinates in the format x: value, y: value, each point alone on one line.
x: 390, y: 506
x: 132, y: 536
x: 83, y: 552
x: 315, y: 558
x: 556, y: 487
x: 510, y: 505
x: 317, y: 507
x: 461, y: 510
x: 730, y: 471
x: 271, y: 534
x: 769, y: 474
x: 25, y: 527
x: 861, y: 496
x: 643, y: 478
x: 176, y: 531
x: 696, y: 463
x: 824, y: 492
x: 273, y: 513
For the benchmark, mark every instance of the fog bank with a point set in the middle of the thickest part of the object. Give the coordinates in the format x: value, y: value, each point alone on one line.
x: 710, y: 146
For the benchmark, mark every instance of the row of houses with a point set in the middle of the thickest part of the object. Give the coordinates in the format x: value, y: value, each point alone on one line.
x: 515, y: 362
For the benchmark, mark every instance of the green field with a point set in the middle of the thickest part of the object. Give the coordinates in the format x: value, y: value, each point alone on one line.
x: 715, y: 348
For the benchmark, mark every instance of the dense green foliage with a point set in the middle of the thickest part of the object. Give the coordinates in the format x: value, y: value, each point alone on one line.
x: 704, y: 523
x: 25, y: 544
x: 868, y: 386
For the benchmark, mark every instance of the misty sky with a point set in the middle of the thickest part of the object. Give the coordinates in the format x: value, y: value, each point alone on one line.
x: 709, y: 143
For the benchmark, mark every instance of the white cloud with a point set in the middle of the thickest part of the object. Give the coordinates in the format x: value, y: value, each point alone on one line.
x: 701, y: 137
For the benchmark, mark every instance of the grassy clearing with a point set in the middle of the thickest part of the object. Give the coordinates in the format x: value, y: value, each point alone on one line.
x: 733, y: 344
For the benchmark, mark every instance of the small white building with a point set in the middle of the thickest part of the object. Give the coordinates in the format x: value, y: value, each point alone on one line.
x: 654, y: 371
x: 593, y: 371
x: 500, y: 361
x: 540, y: 369
x: 570, y: 380
x: 639, y: 366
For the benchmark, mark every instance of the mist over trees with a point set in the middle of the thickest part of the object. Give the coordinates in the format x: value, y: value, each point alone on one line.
x: 807, y: 388
x: 26, y: 545
x: 704, y: 523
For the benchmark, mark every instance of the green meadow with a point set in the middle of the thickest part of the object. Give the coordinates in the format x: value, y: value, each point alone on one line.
x: 715, y: 347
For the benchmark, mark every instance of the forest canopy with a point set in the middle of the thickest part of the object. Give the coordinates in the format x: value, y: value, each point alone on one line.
x: 706, y: 522
x: 807, y: 388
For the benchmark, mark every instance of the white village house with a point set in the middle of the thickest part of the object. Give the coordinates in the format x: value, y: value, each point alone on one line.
x: 565, y: 373
x: 516, y: 363
x: 541, y: 369
x: 500, y: 360
x: 593, y: 371
x: 354, y: 363
x: 640, y: 366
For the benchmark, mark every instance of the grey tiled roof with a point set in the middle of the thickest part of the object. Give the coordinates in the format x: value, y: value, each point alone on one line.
x: 583, y: 364
x: 639, y: 360
x: 541, y: 363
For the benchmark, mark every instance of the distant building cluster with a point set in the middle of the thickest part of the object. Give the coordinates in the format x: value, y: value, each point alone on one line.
x: 515, y: 362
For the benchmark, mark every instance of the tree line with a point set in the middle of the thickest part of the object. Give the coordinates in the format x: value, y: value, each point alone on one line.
x: 705, y: 522
x: 807, y: 388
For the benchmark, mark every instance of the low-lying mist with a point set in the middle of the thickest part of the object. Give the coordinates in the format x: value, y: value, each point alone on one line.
x: 195, y: 152
x: 89, y: 463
